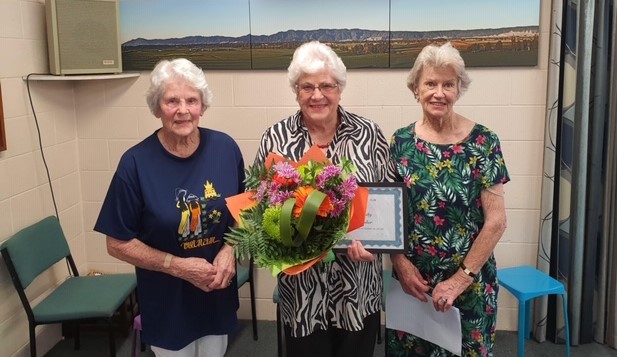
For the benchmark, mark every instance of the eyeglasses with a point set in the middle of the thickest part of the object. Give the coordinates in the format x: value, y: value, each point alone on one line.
x: 324, y: 88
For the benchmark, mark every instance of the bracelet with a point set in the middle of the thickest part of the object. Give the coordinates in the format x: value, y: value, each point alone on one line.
x: 167, y: 262
x: 467, y: 271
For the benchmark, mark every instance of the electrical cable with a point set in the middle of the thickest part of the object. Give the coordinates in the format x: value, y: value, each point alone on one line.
x: 38, y: 130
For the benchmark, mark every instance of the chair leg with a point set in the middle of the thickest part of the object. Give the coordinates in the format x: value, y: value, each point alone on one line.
x: 32, y: 341
x: 379, y: 330
x: 386, y: 342
x: 528, y: 329
x: 522, y: 328
x: 279, y: 333
x: 567, y: 323
x: 253, y: 310
x: 112, y: 340
x: 76, y: 336
x: 142, y: 345
x: 134, y: 344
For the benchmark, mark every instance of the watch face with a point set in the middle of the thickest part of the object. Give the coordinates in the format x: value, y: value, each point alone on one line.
x: 467, y: 271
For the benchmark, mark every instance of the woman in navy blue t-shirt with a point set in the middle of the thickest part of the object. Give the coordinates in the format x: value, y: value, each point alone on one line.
x: 165, y: 213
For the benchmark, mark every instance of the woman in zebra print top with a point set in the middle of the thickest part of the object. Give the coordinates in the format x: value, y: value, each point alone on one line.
x: 332, y: 309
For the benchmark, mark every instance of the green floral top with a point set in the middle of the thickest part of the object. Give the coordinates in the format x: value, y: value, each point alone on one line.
x: 444, y: 184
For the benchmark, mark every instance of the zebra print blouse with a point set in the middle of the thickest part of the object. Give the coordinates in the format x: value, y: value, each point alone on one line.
x: 342, y: 293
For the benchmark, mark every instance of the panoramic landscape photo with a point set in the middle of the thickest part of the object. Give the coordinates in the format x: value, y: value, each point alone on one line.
x: 262, y: 34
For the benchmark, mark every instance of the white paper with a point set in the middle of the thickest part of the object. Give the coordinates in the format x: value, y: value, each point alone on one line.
x: 406, y: 313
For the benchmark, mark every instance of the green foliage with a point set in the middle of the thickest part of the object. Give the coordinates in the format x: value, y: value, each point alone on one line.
x: 254, y: 175
x: 260, y: 232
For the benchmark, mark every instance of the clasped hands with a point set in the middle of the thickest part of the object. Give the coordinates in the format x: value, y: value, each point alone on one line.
x: 212, y: 276
x: 413, y: 283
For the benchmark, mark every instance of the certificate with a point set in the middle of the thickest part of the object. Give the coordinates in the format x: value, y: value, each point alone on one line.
x: 385, y: 225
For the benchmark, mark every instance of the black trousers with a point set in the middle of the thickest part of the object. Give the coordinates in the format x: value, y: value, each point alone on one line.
x: 335, y: 342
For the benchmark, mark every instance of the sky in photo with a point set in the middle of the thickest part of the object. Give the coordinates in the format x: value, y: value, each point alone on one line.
x: 463, y: 14
x: 153, y: 19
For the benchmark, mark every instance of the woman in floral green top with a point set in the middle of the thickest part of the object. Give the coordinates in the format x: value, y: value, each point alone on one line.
x: 454, y: 172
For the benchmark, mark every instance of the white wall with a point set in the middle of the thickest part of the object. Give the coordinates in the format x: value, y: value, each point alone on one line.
x: 87, y: 125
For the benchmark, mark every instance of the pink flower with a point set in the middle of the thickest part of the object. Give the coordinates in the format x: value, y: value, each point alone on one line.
x: 432, y: 251
x: 446, y: 154
x: 489, y: 290
x: 417, y: 218
x: 404, y: 161
x: 457, y: 149
x: 476, y: 335
x: 483, y: 350
x: 422, y: 148
x: 407, y: 181
x: 439, y: 221
x: 481, y: 139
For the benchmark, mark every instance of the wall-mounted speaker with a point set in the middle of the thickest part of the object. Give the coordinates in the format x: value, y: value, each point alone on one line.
x: 83, y: 36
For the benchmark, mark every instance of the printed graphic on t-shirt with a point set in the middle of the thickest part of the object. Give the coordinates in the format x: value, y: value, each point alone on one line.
x: 195, y: 218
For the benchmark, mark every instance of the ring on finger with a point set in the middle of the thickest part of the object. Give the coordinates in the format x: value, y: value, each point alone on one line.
x: 443, y: 300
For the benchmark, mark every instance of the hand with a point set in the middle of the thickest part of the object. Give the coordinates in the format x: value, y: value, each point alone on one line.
x: 197, y: 271
x: 409, y: 276
x: 225, y: 264
x: 356, y: 252
x: 447, y: 291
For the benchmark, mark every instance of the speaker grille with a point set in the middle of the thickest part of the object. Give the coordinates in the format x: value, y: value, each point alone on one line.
x: 87, y: 33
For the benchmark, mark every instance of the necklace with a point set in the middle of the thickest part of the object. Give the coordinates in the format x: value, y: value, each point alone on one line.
x: 324, y: 146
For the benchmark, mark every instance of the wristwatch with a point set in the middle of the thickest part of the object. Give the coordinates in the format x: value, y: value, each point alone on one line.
x: 467, y: 271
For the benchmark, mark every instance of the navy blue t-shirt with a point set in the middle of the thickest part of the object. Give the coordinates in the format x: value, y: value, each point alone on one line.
x: 177, y: 205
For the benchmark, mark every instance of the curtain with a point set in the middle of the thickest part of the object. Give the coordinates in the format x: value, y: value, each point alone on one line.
x: 578, y: 194
x: 610, y: 203
x: 551, y: 215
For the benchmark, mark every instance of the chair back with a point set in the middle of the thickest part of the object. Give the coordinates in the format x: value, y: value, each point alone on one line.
x: 35, y: 248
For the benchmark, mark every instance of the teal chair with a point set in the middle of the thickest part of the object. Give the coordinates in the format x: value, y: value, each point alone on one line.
x: 35, y: 249
x: 244, y: 274
x: 527, y: 283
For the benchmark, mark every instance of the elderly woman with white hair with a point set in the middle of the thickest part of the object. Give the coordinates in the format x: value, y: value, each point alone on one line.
x: 165, y: 213
x: 331, y: 309
x: 454, y: 171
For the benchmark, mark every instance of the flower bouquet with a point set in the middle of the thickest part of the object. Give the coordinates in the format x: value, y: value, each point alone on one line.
x: 293, y: 213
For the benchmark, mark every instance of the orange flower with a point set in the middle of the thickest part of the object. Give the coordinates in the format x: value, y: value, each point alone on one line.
x: 302, y: 193
x: 283, y: 181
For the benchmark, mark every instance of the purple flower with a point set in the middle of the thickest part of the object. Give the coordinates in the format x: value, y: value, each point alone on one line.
x: 326, y: 175
x: 339, y: 207
x: 348, y: 188
x: 262, y: 190
x: 285, y: 170
x: 277, y: 195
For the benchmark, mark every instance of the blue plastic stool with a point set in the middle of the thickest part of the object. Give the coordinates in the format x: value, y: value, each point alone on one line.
x: 527, y: 283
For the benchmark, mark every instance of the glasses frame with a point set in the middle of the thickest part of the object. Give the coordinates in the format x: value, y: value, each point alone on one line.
x: 324, y: 88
